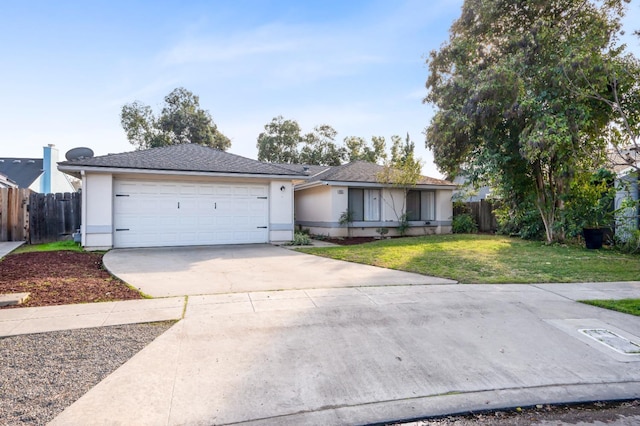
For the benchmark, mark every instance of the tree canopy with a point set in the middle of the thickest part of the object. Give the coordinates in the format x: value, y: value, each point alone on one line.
x: 320, y: 147
x: 180, y: 121
x: 283, y: 142
x: 279, y: 141
x: 510, y: 96
x: 358, y: 149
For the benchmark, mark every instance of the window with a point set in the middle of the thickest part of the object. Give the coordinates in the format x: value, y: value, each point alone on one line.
x: 364, y: 204
x: 421, y: 205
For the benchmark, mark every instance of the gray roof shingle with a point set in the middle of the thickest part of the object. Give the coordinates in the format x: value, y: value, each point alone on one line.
x: 23, y: 171
x: 364, y: 172
x: 184, y: 157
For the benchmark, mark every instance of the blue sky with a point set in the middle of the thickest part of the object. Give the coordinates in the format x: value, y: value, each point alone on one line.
x: 359, y: 66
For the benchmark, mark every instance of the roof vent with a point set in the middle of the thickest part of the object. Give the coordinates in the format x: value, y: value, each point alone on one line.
x: 305, y: 168
x: 31, y: 161
x: 79, y: 153
x: 17, y: 161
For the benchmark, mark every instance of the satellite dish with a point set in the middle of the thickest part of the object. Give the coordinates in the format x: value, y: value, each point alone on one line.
x: 79, y: 153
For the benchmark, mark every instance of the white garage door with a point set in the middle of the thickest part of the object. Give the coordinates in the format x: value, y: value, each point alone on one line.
x: 156, y: 213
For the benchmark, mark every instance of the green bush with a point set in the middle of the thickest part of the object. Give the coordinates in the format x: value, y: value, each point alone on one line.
x: 631, y: 244
x: 300, y: 239
x: 524, y: 222
x: 403, y: 225
x: 464, y: 224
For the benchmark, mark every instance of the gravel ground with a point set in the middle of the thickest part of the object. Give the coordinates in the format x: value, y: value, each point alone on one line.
x: 42, y: 374
x: 621, y: 413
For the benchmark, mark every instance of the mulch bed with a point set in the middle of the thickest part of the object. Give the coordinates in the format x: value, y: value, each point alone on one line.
x: 350, y: 241
x: 61, y: 278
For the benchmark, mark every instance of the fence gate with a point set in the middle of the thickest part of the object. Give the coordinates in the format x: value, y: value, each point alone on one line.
x: 53, y: 217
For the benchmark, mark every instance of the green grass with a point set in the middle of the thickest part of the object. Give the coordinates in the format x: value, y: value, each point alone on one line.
x: 628, y: 306
x: 57, y: 246
x: 490, y: 259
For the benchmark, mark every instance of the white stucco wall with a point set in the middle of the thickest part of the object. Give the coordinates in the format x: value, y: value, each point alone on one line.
x: 626, y: 217
x: 314, y: 204
x: 36, y: 186
x: 318, y: 210
x: 339, y: 202
x: 97, y: 211
x: 444, y: 205
x: 281, y: 210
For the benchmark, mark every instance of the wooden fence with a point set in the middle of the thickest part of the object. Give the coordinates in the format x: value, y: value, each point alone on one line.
x: 482, y: 212
x: 53, y: 217
x: 38, y: 218
x: 14, y: 216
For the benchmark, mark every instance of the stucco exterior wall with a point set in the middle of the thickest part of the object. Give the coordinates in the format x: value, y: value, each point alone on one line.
x: 626, y: 217
x: 339, y: 202
x: 281, y: 211
x: 318, y: 210
x: 97, y: 211
x: 314, y: 204
x: 444, y: 205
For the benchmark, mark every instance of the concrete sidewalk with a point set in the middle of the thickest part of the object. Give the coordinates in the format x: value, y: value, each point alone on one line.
x: 17, y: 321
x: 7, y: 247
x: 370, y: 354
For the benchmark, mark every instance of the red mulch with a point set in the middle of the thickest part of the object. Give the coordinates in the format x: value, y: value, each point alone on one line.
x: 60, y: 278
x: 350, y: 241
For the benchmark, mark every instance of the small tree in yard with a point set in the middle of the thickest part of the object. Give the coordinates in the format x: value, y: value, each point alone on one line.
x: 402, y: 172
x: 346, y: 219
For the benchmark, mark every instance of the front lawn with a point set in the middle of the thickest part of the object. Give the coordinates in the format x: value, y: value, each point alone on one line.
x: 55, y: 246
x: 628, y: 306
x: 490, y: 259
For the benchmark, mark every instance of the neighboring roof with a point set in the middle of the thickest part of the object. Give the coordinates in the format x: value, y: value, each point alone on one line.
x: 465, y: 188
x: 305, y: 169
x: 363, y: 172
x: 5, y: 182
x: 623, y: 160
x: 23, y: 171
x: 184, y: 157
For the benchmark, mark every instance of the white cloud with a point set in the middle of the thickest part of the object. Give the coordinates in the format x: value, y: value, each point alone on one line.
x: 268, y: 39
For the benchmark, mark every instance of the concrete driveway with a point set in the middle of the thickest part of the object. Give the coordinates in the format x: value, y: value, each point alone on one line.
x: 177, y: 271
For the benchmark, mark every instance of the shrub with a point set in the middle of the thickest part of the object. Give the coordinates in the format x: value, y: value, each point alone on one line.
x: 631, y: 242
x: 464, y: 224
x: 300, y: 239
x: 403, y: 224
x: 382, y: 231
x: 524, y: 221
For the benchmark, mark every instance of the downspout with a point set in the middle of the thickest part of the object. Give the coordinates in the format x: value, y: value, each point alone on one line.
x: 83, y: 215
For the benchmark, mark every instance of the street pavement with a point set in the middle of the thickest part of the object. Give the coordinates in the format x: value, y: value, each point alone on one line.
x: 370, y: 355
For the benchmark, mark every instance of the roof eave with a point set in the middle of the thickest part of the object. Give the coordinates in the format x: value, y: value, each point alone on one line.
x: 72, y: 170
x: 371, y: 185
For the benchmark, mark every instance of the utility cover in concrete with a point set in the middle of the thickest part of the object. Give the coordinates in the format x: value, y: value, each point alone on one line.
x: 611, y: 339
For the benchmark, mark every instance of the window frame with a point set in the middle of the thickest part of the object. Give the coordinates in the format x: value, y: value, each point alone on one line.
x: 357, y: 205
x: 422, y: 215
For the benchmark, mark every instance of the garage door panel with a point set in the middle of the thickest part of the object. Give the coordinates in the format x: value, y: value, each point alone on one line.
x: 171, y: 213
x: 258, y: 191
